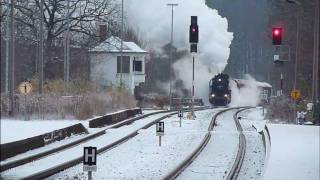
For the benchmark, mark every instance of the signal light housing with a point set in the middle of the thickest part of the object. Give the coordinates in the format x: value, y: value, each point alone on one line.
x: 277, y: 36
x: 194, y: 30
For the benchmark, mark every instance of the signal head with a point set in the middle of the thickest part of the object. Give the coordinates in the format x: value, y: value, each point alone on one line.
x: 277, y: 36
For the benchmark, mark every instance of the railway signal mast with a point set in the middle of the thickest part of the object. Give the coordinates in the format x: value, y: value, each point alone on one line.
x: 193, y: 39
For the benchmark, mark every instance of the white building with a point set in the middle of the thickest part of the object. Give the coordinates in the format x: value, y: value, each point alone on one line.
x: 105, y: 63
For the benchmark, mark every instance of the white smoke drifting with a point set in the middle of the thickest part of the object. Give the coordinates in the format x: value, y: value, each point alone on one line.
x: 249, y: 95
x: 151, y: 19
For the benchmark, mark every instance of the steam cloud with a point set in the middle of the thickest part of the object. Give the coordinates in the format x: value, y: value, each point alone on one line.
x: 249, y: 95
x: 151, y: 19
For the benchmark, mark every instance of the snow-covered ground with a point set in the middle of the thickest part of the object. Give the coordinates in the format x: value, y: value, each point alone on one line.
x: 14, y: 130
x: 142, y: 158
x: 252, y: 122
x: 53, y: 160
x: 17, y: 129
x: 43, y: 149
x: 294, y: 152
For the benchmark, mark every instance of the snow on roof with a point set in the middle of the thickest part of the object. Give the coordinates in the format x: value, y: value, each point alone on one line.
x: 113, y: 44
x: 263, y: 84
x: 259, y: 84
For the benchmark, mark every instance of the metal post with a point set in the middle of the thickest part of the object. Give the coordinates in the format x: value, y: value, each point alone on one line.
x: 296, y: 65
x: 170, y: 59
x: 7, y: 48
x: 41, y: 47
x: 315, y: 76
x: 297, y: 50
x: 159, y: 140
x: 317, y: 90
x: 192, y: 111
x: 25, y: 108
x: 180, y: 121
x: 121, y: 40
x: 281, y: 84
x: 89, y: 175
x: 67, y: 46
x: 12, y: 39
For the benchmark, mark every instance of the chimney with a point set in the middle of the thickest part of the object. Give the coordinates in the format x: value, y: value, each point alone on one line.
x: 103, y: 32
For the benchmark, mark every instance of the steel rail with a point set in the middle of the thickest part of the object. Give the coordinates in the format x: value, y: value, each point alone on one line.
x: 236, y: 167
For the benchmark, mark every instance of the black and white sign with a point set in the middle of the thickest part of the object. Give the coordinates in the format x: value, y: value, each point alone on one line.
x: 90, y: 159
x: 180, y: 114
x: 160, y: 128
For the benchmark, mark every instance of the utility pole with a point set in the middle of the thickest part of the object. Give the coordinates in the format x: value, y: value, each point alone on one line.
x: 121, y: 40
x: 67, y: 47
x: 170, y: 59
x: 12, y: 39
x: 297, y: 50
x: 7, y: 48
x: 41, y: 47
x: 315, y: 74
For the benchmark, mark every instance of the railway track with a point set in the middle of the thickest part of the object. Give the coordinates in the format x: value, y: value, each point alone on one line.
x: 240, y: 154
x: 256, y: 146
x: 183, y: 165
x: 235, y: 170
x: 15, y: 163
x: 13, y: 171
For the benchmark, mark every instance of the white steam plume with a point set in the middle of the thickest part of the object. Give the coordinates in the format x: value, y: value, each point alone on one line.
x: 151, y: 19
x: 248, y: 95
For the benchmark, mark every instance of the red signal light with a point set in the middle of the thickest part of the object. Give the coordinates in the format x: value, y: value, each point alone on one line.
x: 277, y: 36
x: 193, y: 29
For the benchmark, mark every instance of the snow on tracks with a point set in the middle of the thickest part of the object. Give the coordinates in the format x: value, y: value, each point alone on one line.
x: 142, y: 158
x: 73, y: 153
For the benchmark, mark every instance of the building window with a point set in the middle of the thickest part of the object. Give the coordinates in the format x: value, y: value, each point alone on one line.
x: 137, y: 66
x: 125, y: 64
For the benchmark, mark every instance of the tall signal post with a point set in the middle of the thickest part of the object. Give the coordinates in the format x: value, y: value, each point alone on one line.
x: 11, y: 67
x: 170, y: 59
x: 193, y: 39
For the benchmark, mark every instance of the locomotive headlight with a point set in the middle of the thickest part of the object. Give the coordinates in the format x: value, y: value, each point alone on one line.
x: 226, y: 95
x: 212, y: 95
x: 219, y: 79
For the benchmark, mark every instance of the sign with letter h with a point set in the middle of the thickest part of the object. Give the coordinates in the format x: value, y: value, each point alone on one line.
x: 90, y: 159
x: 160, y: 128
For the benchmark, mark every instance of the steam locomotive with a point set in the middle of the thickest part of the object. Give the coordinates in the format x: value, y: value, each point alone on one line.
x: 219, y: 90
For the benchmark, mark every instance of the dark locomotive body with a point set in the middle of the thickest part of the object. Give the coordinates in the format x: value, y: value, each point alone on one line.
x: 219, y: 90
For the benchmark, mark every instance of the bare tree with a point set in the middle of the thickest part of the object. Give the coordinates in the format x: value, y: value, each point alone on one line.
x: 83, y: 17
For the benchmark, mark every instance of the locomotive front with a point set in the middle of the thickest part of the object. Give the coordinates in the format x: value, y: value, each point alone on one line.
x: 219, y: 92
